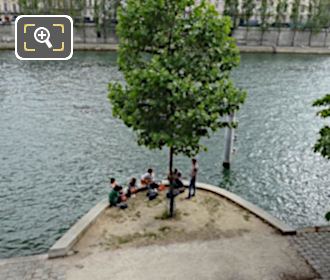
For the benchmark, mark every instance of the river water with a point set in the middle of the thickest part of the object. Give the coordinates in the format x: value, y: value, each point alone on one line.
x: 59, y: 143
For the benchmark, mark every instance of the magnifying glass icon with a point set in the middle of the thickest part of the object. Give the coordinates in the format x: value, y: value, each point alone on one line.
x: 41, y: 35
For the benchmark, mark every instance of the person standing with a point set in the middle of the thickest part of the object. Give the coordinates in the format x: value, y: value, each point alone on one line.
x: 192, y: 185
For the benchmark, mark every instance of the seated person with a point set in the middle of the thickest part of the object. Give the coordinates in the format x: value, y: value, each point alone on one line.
x: 147, y: 180
x: 116, y: 196
x: 178, y: 183
x: 113, y: 183
x: 132, y: 187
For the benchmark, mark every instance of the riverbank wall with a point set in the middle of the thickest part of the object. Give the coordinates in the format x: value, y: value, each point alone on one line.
x: 281, y: 37
x: 249, y: 40
x: 243, y: 49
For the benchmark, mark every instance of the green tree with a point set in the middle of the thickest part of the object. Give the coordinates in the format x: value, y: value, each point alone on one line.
x: 295, y: 18
x: 320, y: 17
x: 232, y: 10
x: 176, y: 57
x: 264, y: 18
x: 248, y: 7
x: 323, y: 143
x: 74, y: 8
x: 295, y: 13
x: 280, y: 17
x: 105, y: 13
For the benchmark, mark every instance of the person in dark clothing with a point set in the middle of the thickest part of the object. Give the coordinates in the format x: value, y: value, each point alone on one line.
x: 113, y: 183
x: 178, y: 185
x: 116, y: 196
x: 132, y: 187
x: 193, y: 174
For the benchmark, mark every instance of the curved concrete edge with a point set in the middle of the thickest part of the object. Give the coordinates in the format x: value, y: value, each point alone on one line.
x: 313, y: 229
x: 62, y: 246
x: 262, y: 214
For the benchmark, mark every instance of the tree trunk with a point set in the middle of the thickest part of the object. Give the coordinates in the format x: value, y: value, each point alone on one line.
x: 262, y: 37
x: 84, y: 32
x: 278, y: 37
x: 325, y: 38
x: 293, y: 37
x: 104, y: 32
x: 310, y: 38
x: 171, y: 200
x: 246, y: 35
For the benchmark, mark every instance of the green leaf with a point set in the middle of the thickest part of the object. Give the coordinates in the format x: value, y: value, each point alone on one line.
x: 327, y: 216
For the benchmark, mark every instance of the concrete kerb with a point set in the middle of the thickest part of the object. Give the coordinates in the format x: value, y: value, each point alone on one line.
x: 63, y: 246
x: 262, y: 214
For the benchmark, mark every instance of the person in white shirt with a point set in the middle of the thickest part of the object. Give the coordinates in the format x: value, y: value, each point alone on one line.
x: 148, y: 180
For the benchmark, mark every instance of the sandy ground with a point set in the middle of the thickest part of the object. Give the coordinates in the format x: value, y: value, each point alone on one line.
x: 210, y: 238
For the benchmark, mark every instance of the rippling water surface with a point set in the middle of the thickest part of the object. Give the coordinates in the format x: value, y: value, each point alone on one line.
x: 59, y: 144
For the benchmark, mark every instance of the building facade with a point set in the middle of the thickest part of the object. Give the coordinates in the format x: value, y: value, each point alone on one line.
x: 9, y: 9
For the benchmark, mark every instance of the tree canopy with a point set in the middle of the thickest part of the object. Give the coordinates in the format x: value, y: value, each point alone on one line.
x: 176, y: 57
x: 323, y: 143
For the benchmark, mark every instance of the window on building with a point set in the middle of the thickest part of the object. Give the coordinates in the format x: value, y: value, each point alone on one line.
x: 5, y: 8
x: 14, y: 8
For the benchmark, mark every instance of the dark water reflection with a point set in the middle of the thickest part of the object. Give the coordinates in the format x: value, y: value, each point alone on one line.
x: 59, y: 143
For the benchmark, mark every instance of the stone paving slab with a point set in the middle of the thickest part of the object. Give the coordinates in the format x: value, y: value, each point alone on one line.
x: 314, y: 247
x: 30, y: 268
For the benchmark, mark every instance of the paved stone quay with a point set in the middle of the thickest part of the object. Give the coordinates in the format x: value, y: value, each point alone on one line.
x: 314, y: 247
x: 30, y: 268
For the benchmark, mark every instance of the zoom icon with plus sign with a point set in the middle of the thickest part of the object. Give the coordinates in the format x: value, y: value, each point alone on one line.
x: 43, y: 37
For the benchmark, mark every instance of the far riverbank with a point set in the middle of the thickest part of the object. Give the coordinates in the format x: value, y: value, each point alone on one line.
x: 243, y: 49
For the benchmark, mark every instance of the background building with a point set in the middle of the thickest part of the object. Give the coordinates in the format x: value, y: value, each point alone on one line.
x: 9, y: 9
x: 105, y: 10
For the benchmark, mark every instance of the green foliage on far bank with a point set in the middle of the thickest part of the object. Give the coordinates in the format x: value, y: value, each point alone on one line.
x: 280, y: 14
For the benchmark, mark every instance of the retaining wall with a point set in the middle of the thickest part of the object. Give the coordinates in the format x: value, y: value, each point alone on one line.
x: 251, y: 36
x: 82, y: 34
x: 283, y: 37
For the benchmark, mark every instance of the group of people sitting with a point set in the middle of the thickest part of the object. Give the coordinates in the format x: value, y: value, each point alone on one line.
x: 118, y: 195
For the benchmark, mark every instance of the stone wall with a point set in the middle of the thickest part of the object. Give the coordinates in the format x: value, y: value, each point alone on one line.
x: 86, y: 34
x: 253, y: 36
x: 283, y: 37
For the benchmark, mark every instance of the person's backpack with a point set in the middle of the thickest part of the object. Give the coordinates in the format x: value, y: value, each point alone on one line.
x: 152, y: 194
x: 122, y: 205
